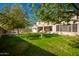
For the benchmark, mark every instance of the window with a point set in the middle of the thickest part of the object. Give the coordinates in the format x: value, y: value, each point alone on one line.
x: 74, y: 27
x: 64, y: 28
x: 57, y: 27
x: 48, y: 28
x: 67, y: 28
x: 40, y: 29
x: 60, y: 27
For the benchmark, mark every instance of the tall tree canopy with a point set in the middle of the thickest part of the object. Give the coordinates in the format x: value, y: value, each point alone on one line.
x: 54, y: 12
x: 13, y: 17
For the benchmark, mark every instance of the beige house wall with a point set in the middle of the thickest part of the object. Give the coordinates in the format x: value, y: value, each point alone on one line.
x: 42, y: 24
x: 61, y: 32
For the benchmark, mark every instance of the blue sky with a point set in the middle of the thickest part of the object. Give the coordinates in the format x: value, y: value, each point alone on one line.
x: 32, y: 17
x: 24, y: 6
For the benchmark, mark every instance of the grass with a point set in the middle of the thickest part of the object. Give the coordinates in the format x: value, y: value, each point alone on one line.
x: 48, y: 45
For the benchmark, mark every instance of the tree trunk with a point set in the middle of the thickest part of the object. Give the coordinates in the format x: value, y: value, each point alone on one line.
x: 4, y: 32
x: 17, y: 30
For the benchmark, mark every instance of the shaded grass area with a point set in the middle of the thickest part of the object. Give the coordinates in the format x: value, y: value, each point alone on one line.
x: 57, y: 44
x: 16, y: 46
x: 33, y: 45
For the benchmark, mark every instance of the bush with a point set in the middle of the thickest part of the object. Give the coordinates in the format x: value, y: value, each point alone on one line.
x: 38, y: 35
x: 50, y: 35
x: 33, y: 36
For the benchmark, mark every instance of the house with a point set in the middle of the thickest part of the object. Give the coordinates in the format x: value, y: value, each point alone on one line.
x: 62, y: 28
x: 66, y: 29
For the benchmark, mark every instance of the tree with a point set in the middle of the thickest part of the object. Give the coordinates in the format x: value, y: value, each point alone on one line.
x: 13, y: 17
x: 53, y: 12
x: 20, y: 17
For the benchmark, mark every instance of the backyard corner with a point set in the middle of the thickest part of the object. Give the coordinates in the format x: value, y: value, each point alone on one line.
x: 39, y: 29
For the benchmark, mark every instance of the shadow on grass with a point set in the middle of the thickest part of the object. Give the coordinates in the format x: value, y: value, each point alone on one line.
x: 15, y: 46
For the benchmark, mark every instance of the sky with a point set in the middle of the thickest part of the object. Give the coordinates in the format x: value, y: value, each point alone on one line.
x: 24, y: 5
x: 32, y: 17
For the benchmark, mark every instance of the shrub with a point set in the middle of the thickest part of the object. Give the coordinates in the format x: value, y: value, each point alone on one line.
x: 33, y: 36
x: 38, y: 35
x: 50, y: 35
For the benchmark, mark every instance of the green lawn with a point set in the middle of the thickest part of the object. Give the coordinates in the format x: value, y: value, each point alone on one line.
x: 54, y: 45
